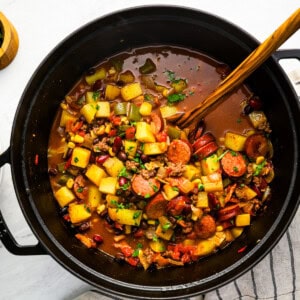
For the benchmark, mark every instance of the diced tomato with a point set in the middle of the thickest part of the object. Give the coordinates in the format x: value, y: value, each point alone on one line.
x: 129, y: 133
x: 161, y: 136
x: 116, y: 120
x: 139, y: 233
x: 133, y: 261
x: 76, y: 126
x: 127, y: 251
x: 68, y: 163
x: 113, y: 132
x: 81, y: 133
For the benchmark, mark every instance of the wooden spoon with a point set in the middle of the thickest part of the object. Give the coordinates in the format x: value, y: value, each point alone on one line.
x: 238, y: 75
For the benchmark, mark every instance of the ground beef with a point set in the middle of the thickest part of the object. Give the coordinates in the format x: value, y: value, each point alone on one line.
x: 148, y: 173
x: 101, y: 146
x: 131, y: 165
x: 175, y: 169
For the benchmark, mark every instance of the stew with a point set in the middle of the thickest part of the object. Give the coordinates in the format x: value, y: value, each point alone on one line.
x: 145, y: 191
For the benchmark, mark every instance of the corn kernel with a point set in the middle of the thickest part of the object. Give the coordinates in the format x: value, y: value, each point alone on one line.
x: 127, y: 229
x: 107, y: 128
x: 219, y: 228
x: 259, y: 160
x: 166, y: 92
x: 71, y: 145
x: 151, y: 222
x: 145, y: 217
x: 100, y: 130
x: 111, y: 152
x: 70, y: 183
x: 124, y: 120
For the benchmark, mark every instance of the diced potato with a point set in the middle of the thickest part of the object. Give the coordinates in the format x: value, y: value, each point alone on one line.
x: 89, y: 111
x: 130, y: 148
x: 131, y: 91
x: 95, y: 173
x: 127, y: 77
x: 237, y: 231
x: 164, y: 234
x: 205, y: 247
x: 191, y: 172
x: 125, y: 216
x: 202, y: 200
x: 94, y: 196
x: 144, y: 133
x: 108, y: 185
x: 168, y: 111
x: 111, y: 199
x: 112, y: 92
x: 170, y: 192
x: 92, y: 97
x: 234, y: 141
x: 155, y: 148
x: 179, y: 85
x: 80, y: 157
x: 219, y: 238
x: 210, y: 164
x: 64, y: 196
x: 245, y: 193
x: 242, y: 220
x: 185, y: 185
x: 157, y: 245
x: 99, y: 74
x: 65, y: 118
x: 145, y: 109
x: 79, y: 213
x: 258, y: 119
x: 113, y: 166
x: 103, y: 109
x: 212, y: 182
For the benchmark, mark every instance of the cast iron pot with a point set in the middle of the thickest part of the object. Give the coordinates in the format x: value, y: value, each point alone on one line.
x: 60, y: 71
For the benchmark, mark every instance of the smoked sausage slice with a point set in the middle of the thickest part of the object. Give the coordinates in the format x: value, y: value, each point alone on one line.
x: 205, y: 227
x: 234, y: 164
x: 156, y: 207
x: 256, y: 145
x: 179, y: 152
x: 145, y: 187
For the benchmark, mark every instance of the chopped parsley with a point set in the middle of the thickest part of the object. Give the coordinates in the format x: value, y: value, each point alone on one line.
x: 123, y: 172
x: 259, y: 168
x: 137, y: 214
x: 235, y: 169
x: 147, y: 196
x: 200, y: 187
x: 76, y: 159
x: 117, y: 204
x: 166, y: 226
x: 222, y: 155
x: 136, y: 252
x: 175, y: 98
x: 175, y: 188
x: 96, y: 95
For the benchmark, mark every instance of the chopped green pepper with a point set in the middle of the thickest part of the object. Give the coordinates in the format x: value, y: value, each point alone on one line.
x: 148, y: 67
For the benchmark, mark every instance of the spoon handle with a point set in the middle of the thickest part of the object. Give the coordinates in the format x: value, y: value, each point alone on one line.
x: 241, y: 72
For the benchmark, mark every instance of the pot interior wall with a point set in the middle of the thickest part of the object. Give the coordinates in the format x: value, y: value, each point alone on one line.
x: 61, y: 70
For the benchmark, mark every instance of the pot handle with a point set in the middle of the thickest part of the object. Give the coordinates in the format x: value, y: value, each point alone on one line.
x: 5, y: 235
x: 287, y: 53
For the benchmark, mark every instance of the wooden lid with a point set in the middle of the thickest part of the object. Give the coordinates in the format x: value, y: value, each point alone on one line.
x: 10, y: 43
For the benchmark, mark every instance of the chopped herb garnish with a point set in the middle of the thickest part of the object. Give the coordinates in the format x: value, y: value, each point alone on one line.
x: 200, y: 187
x: 123, y: 172
x: 175, y: 98
x: 175, y: 188
x: 154, y: 238
x: 147, y: 196
x: 259, y: 168
x: 235, y: 169
x: 80, y: 190
x: 166, y: 226
x: 233, y: 153
x: 125, y: 186
x: 222, y: 155
x: 117, y: 204
x: 76, y: 159
x: 154, y: 187
x: 136, y: 214
x: 95, y: 95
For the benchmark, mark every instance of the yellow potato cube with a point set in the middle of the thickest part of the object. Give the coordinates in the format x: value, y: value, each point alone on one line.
x: 94, y: 196
x: 245, y: 193
x: 113, y: 166
x: 92, y: 97
x: 112, y: 92
x: 165, y: 234
x: 131, y: 91
x: 202, y: 200
x: 237, y: 231
x: 89, y: 111
x: 234, y: 141
x: 210, y: 164
x: 99, y: 74
x: 108, y: 185
x: 65, y: 118
x: 146, y: 109
x: 103, y: 109
x: 191, y: 172
x: 95, y: 173
x: 242, y: 220
x: 155, y: 148
x: 130, y: 148
x: 170, y: 192
x: 168, y: 111
x: 157, y: 246
x: 79, y: 213
x: 80, y: 157
x: 212, y: 182
x: 125, y: 216
x: 205, y: 247
x: 144, y: 133
x: 64, y: 196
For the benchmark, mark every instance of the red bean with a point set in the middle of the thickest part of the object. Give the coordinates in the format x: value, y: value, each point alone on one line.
x: 102, y: 158
x: 98, y: 238
x: 122, y: 180
x: 117, y: 144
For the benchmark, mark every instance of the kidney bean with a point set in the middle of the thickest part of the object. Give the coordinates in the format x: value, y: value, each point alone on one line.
x: 255, y: 103
x: 248, y: 109
x: 98, y: 238
x: 84, y: 226
x: 117, y: 144
x: 102, y: 158
x: 122, y: 180
x: 144, y: 158
x: 98, y: 85
x: 52, y: 171
x: 122, y: 156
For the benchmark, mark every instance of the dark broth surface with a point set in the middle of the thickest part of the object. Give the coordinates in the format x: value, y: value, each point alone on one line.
x: 183, y: 218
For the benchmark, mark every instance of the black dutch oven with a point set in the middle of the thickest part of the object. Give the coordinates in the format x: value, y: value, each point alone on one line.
x: 60, y: 71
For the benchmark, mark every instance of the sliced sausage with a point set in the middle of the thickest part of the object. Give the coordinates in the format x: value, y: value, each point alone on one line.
x: 203, y: 140
x: 234, y: 164
x: 228, y: 212
x: 205, y: 227
x: 179, y: 152
x: 156, y: 207
x: 178, y: 205
x: 145, y: 187
x: 206, y: 150
x: 158, y: 122
x: 256, y: 145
